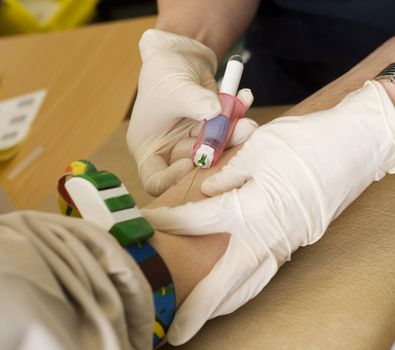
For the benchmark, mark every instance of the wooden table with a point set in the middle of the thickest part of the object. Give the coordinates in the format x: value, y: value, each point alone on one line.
x: 91, y: 77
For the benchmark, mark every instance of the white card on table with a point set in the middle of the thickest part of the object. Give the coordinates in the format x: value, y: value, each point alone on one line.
x: 16, y: 117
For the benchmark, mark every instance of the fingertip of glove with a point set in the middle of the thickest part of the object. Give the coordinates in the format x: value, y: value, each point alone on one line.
x: 151, y: 213
x: 155, y: 188
x: 148, y: 33
x: 158, y: 183
x: 162, y: 180
x: 209, y: 186
x: 229, y: 178
x: 246, y: 96
x: 215, y: 108
x: 243, y: 130
x: 149, y: 36
x: 206, y: 108
x: 176, y: 336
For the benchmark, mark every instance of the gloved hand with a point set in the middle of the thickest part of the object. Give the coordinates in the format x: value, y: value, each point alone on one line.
x: 177, y: 90
x: 288, y: 182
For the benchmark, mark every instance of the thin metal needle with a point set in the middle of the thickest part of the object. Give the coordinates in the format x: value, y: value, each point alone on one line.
x: 190, y: 185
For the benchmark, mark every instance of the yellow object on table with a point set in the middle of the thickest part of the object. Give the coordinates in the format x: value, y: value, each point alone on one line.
x: 28, y: 16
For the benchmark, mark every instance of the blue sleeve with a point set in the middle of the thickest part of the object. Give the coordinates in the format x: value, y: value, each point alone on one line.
x: 377, y: 13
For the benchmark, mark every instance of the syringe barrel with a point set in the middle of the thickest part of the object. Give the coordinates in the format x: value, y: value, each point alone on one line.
x: 216, y: 132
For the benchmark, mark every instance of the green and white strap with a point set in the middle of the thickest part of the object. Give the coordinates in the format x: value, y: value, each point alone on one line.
x: 100, y: 197
x: 104, y: 200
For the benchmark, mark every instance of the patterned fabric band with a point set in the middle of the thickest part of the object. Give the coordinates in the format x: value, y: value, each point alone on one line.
x: 110, y: 206
x: 161, y: 283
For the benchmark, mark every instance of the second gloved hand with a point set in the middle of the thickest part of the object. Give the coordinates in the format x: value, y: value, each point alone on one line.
x: 176, y: 92
x: 288, y: 182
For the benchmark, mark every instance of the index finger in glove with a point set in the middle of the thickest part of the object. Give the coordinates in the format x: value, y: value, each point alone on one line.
x: 157, y: 176
x: 233, y: 175
x: 213, y: 215
x: 245, y: 126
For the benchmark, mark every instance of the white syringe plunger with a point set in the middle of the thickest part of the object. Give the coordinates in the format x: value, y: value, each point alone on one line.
x: 231, y: 80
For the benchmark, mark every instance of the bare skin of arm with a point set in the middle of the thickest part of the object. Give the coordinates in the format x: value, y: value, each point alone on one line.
x: 217, y: 24
x: 197, y: 255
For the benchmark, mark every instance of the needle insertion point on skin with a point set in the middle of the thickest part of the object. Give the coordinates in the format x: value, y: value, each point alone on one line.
x: 190, y: 185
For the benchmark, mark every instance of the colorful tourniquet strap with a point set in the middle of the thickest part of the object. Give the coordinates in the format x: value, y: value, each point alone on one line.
x: 100, y: 197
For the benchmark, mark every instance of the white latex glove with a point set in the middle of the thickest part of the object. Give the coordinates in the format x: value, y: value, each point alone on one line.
x: 296, y: 174
x: 177, y: 89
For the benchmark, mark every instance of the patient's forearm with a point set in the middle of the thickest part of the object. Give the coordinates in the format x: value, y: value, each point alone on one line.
x: 189, y: 259
x: 331, y: 94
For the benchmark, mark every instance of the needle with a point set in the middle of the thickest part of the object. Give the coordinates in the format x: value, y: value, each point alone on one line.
x: 190, y: 185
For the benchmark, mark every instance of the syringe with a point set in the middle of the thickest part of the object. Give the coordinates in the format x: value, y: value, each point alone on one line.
x: 217, y: 131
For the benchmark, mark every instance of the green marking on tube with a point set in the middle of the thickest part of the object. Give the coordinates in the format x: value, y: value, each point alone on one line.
x: 202, y: 160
